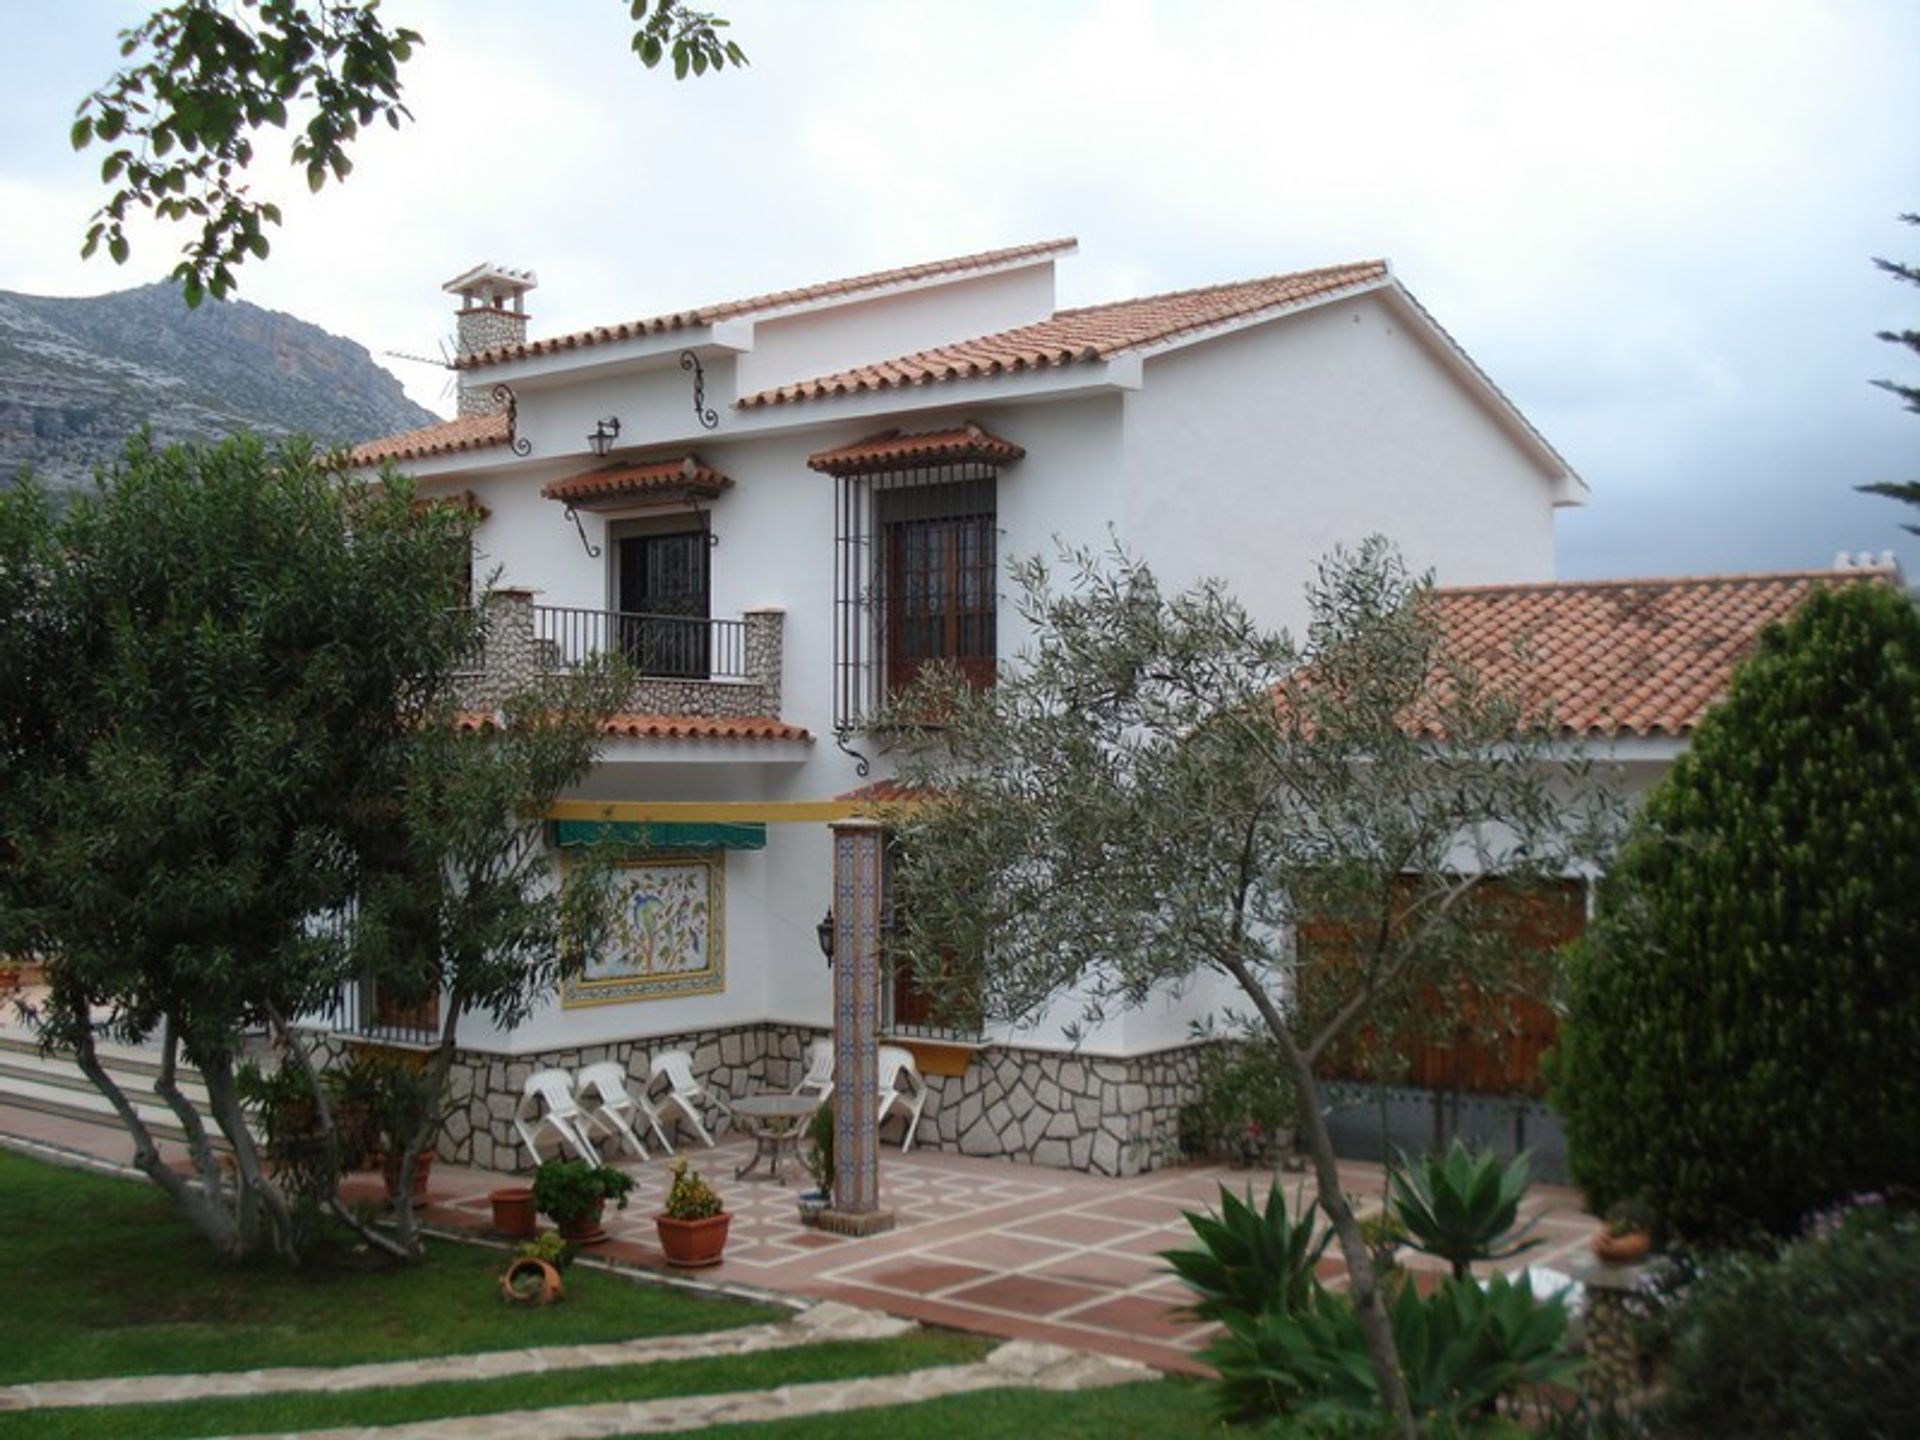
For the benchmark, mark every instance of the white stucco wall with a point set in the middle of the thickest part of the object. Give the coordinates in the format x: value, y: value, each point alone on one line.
x: 822, y: 342
x: 1246, y: 458
x: 1250, y: 457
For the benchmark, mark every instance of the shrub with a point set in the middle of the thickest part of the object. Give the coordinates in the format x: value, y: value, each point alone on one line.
x: 567, y: 1191
x: 1247, y: 1101
x: 690, y: 1197
x: 1743, y: 1015
x: 820, y: 1149
x: 1250, y: 1262
x: 1820, y: 1344
x: 1461, y: 1206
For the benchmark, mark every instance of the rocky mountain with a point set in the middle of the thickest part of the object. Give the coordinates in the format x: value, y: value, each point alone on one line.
x: 77, y: 376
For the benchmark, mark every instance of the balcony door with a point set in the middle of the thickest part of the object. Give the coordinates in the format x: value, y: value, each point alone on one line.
x: 663, y: 597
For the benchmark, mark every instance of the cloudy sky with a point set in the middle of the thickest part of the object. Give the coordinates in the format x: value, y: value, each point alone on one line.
x: 1652, y: 223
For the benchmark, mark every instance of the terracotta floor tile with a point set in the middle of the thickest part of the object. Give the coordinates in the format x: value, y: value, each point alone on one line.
x: 1146, y: 1209
x: 998, y: 1251
x: 1069, y: 1225
x: 919, y: 1277
x: 1024, y: 1295
x: 1141, y: 1315
x: 1101, y: 1267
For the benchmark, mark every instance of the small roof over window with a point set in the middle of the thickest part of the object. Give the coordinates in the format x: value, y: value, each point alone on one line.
x: 898, y: 450
x: 619, y: 487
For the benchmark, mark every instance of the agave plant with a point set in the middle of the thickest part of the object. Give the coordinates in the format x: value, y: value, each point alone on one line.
x: 1461, y: 1349
x: 1461, y: 1206
x: 1251, y: 1262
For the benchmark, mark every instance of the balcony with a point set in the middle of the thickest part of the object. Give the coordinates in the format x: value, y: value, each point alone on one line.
x: 721, y: 668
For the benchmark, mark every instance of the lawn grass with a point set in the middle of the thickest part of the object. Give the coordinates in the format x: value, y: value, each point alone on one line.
x: 831, y: 1360
x: 1151, y: 1410
x: 108, y: 1279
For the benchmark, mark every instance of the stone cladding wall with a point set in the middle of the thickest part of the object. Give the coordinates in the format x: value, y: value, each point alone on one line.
x: 515, y: 656
x: 1108, y: 1116
x: 478, y: 328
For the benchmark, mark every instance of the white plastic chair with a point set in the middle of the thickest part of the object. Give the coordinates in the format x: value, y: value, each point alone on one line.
x: 818, y: 1081
x: 547, y: 1103
x: 611, y: 1107
x: 683, y: 1091
x: 896, y: 1066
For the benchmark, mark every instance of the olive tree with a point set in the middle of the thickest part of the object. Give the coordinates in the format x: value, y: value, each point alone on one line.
x: 1159, y: 788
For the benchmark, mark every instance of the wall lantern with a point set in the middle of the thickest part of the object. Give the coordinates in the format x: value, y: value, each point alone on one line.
x: 823, y: 932
x: 605, y: 432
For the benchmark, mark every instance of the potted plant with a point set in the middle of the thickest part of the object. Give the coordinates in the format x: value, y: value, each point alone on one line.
x: 532, y: 1277
x: 819, y: 1165
x: 692, y: 1225
x: 513, y: 1212
x: 401, y: 1101
x: 573, y: 1194
x: 1626, y: 1235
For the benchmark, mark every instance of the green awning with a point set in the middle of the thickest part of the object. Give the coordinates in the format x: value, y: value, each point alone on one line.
x: 652, y: 835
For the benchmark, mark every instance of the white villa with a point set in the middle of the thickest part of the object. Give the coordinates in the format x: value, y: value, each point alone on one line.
x: 783, y: 506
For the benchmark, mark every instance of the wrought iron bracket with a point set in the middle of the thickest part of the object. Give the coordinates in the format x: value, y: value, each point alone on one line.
x: 593, y: 550
x: 690, y: 362
x: 862, y: 766
x: 516, y: 442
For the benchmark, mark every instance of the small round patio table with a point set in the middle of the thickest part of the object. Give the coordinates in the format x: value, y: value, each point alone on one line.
x: 775, y: 1123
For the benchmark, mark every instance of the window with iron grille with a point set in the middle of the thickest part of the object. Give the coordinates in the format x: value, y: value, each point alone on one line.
x: 916, y: 582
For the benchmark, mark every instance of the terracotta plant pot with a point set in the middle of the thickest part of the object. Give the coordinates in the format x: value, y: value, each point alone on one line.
x: 531, y: 1282
x: 1628, y: 1249
x: 513, y: 1214
x: 585, y: 1229
x: 693, y: 1244
x: 422, y: 1171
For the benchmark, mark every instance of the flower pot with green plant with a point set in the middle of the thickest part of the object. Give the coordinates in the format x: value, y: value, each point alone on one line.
x: 402, y: 1104
x: 573, y: 1194
x: 819, y: 1166
x: 533, y: 1277
x: 692, y: 1224
x: 1625, y: 1236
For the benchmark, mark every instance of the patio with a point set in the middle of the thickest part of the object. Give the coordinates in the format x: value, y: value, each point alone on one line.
x: 979, y: 1245
x: 983, y: 1245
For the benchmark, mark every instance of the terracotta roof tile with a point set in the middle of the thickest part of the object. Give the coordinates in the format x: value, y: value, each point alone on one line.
x: 775, y: 300
x: 666, y: 727
x: 896, y: 450
x: 469, y: 432
x: 1094, y: 333
x: 1623, y: 657
x: 622, y: 484
x: 884, y: 792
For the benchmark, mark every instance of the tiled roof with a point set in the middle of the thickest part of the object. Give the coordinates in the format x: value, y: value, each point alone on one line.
x: 776, y: 300
x: 884, y: 792
x: 1097, y: 332
x: 621, y: 483
x: 667, y: 727
x: 469, y: 432
x: 896, y: 450
x: 1623, y: 657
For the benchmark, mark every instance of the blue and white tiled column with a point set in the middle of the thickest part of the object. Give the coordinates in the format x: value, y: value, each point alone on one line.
x: 857, y: 859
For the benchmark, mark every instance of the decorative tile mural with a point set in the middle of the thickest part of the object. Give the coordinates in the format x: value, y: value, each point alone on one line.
x: 668, y: 937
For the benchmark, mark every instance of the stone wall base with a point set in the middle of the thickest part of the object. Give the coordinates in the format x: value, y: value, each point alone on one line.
x: 1108, y: 1116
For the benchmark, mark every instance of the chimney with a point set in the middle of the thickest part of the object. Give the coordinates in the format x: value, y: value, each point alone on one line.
x: 492, y: 313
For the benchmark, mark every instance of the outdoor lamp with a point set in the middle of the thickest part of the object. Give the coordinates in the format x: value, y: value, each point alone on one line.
x: 605, y: 432
x: 823, y: 932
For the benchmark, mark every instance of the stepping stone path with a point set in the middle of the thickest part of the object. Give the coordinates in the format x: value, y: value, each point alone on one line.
x: 1017, y: 1364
